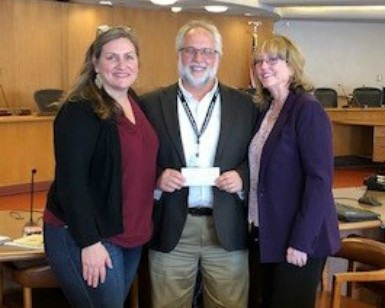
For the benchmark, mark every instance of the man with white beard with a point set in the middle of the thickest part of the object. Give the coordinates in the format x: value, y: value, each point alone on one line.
x: 200, y: 215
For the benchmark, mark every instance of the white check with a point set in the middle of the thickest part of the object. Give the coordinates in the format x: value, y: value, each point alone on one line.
x: 200, y: 176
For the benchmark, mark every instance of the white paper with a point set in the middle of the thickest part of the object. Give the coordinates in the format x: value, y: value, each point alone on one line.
x: 34, y: 241
x: 3, y: 239
x: 200, y: 176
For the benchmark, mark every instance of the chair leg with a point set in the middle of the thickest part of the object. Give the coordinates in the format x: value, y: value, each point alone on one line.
x: 324, y: 285
x: 27, y: 298
x: 134, y: 300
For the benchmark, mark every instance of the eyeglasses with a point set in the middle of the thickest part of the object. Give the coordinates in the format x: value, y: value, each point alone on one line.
x: 207, y: 53
x: 270, y: 61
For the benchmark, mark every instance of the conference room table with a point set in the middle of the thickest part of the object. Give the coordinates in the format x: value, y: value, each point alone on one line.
x: 350, y: 196
x: 12, y: 223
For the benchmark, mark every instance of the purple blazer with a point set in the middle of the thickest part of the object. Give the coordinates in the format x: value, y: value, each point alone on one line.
x: 296, y: 206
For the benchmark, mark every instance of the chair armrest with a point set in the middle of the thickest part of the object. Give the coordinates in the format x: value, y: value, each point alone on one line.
x: 374, y: 275
x: 340, y: 278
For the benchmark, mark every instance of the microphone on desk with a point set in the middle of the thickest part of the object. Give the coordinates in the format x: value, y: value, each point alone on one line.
x: 31, y: 227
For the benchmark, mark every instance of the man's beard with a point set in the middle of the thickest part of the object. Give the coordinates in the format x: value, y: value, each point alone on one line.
x: 197, y: 82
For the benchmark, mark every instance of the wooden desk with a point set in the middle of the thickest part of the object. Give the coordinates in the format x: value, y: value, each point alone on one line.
x: 352, y: 138
x: 10, y: 254
x: 26, y: 143
x: 13, y: 228
x: 378, y: 136
x: 350, y: 196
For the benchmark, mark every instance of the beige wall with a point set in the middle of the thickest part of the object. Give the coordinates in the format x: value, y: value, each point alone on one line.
x: 43, y: 44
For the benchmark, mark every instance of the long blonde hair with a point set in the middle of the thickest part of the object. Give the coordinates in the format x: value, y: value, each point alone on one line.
x: 85, y: 87
x: 285, y: 49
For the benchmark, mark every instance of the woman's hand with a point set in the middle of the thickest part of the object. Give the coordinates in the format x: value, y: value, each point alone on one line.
x: 296, y: 257
x: 95, y: 258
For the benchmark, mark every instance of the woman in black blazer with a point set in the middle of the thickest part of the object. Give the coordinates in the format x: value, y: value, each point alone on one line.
x: 99, y: 206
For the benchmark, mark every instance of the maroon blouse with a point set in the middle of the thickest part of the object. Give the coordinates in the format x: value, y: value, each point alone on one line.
x: 139, y: 145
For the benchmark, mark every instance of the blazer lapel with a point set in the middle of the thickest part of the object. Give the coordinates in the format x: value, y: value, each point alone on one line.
x: 168, y: 102
x: 227, y: 109
x: 273, y: 137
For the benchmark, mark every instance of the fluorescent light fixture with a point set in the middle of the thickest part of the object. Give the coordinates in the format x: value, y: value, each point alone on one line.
x: 105, y: 2
x: 216, y: 8
x: 176, y: 9
x: 163, y: 2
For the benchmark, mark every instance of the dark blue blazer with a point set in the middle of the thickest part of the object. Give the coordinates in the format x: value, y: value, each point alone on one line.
x: 296, y: 207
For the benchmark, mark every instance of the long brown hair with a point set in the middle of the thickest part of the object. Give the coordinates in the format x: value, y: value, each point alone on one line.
x: 85, y: 87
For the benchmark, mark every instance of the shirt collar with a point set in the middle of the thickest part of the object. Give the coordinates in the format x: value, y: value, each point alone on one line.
x: 189, y: 96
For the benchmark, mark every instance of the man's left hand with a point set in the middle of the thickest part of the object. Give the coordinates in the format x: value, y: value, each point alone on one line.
x: 229, y: 181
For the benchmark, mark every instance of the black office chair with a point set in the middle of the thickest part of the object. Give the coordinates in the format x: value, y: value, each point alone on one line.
x: 367, y: 97
x: 383, y: 96
x: 47, y: 100
x: 327, y: 97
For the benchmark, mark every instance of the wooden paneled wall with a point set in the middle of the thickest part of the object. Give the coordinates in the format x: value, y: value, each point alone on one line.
x: 26, y: 144
x: 43, y: 44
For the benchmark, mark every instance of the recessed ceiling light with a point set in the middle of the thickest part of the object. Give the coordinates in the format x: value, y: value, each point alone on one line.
x: 216, y: 8
x: 163, y: 2
x: 176, y: 9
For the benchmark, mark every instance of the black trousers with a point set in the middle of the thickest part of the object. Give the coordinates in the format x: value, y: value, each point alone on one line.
x: 290, y: 286
x: 283, y: 285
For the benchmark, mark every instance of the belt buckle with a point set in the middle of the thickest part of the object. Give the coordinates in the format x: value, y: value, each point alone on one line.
x: 200, y: 211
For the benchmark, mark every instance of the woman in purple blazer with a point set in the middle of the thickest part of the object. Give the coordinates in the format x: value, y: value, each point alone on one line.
x: 292, y: 215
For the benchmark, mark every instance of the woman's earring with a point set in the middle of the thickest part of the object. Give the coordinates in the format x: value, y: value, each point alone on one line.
x: 98, y: 81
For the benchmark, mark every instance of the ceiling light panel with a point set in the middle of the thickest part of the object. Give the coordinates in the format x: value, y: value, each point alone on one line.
x: 163, y: 2
x: 216, y: 8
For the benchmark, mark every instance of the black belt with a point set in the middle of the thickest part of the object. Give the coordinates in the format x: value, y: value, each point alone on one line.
x: 200, y: 211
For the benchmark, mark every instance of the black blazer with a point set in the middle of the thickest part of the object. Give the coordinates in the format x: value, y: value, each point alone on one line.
x: 238, y: 118
x: 87, y: 190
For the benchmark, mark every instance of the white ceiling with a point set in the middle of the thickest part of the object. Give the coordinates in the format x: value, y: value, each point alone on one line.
x: 350, y: 10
